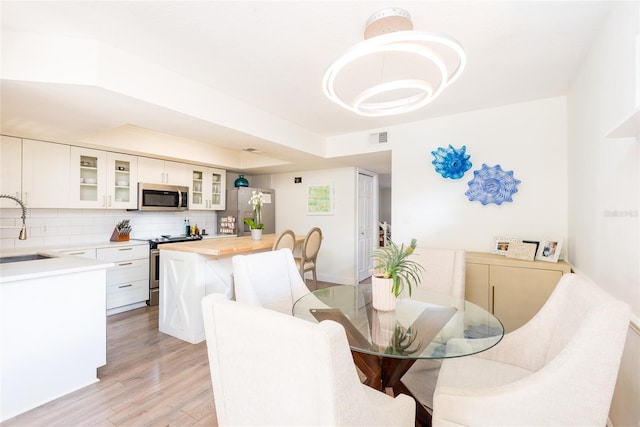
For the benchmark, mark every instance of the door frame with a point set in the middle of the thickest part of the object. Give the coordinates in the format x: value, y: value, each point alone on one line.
x: 374, y: 216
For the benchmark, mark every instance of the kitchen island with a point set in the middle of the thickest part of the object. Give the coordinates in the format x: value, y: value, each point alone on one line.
x: 52, y: 329
x: 191, y: 270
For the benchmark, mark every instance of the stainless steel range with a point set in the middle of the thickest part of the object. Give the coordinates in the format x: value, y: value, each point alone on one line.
x: 154, y: 263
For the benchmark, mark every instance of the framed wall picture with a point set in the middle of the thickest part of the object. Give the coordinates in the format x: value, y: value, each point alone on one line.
x: 549, y: 250
x: 320, y: 199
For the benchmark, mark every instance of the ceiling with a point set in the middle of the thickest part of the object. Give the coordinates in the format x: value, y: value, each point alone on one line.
x: 272, y: 55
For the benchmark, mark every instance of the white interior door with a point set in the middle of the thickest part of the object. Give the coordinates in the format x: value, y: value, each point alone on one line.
x: 365, y: 224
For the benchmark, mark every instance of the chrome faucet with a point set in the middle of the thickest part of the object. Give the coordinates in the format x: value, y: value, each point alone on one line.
x: 23, y: 230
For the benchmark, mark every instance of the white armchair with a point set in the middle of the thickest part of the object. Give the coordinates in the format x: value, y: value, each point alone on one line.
x: 271, y: 369
x: 558, y: 369
x: 444, y: 273
x: 268, y: 279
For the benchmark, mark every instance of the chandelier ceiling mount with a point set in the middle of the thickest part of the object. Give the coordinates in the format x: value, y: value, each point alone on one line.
x: 390, y: 32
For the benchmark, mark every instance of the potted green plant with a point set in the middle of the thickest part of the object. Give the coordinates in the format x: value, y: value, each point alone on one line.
x: 394, y: 270
x: 256, y: 225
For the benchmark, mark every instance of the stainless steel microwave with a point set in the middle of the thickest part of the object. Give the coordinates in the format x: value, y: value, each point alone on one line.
x: 162, y: 197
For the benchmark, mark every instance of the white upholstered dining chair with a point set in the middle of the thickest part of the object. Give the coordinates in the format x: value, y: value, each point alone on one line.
x: 444, y: 273
x: 268, y: 279
x: 271, y: 369
x: 560, y: 368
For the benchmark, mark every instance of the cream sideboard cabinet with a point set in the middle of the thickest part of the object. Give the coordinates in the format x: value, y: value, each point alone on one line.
x: 513, y: 290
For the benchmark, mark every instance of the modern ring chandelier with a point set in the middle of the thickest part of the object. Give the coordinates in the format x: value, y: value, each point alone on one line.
x: 394, y: 70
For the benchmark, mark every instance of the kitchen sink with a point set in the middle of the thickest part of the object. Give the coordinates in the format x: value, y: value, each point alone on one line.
x: 18, y: 258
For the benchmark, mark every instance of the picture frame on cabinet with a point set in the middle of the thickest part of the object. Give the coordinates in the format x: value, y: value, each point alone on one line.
x: 525, y: 250
x: 549, y: 250
x: 501, y: 244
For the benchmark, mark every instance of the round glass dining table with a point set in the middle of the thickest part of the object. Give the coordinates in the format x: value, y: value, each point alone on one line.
x: 385, y: 344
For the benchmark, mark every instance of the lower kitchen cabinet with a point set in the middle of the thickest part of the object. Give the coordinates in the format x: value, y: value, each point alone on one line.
x: 128, y: 281
x: 513, y: 290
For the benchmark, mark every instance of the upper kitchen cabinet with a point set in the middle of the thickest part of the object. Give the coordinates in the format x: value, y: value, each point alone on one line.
x: 10, y: 170
x: 157, y: 171
x: 122, y: 181
x: 207, y: 189
x: 101, y: 179
x: 45, y: 174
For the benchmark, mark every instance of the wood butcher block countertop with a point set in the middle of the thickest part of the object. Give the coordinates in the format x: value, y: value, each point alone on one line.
x: 226, y: 246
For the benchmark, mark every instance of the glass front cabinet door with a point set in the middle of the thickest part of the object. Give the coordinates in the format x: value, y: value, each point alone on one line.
x: 122, y: 181
x: 102, y: 180
x: 207, y: 189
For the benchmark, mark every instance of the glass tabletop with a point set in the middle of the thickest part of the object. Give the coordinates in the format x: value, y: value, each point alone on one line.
x: 435, y: 327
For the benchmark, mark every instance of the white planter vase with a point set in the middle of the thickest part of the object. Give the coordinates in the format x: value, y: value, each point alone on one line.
x: 382, y: 297
x: 256, y: 234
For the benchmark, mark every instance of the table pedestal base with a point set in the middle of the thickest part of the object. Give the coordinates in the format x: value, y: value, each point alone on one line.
x: 384, y: 373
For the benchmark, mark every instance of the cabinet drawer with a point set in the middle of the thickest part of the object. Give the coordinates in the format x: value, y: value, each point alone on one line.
x: 83, y: 253
x: 128, y: 271
x: 127, y: 293
x: 123, y: 253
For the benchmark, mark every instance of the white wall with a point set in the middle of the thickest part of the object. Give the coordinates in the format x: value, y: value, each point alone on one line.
x: 384, y: 198
x: 528, y: 139
x: 604, y: 185
x: 336, y: 259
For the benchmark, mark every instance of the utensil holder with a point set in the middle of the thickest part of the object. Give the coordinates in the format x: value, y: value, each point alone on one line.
x: 117, y: 237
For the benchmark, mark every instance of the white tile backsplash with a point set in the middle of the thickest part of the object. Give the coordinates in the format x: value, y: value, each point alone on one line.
x: 56, y: 227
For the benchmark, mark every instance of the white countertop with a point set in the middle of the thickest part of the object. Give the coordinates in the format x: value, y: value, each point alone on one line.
x: 58, y: 264
x: 65, y: 264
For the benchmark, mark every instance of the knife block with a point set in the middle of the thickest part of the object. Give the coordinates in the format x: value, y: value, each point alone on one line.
x: 117, y: 237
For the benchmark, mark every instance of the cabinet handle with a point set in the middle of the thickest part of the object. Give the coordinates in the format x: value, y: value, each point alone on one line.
x: 125, y: 249
x: 125, y: 263
x: 493, y: 293
x: 125, y: 286
x: 76, y: 253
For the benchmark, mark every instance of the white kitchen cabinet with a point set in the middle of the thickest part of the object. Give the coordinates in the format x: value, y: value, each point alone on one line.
x: 45, y: 174
x: 101, y: 179
x: 513, y: 290
x: 158, y: 171
x: 207, y: 188
x: 10, y: 170
x: 128, y: 280
x: 88, y: 181
x: 89, y: 253
x: 122, y: 181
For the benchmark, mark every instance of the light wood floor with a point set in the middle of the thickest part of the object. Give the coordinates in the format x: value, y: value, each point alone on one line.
x: 150, y: 379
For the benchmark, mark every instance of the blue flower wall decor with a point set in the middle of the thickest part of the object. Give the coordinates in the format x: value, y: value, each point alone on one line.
x: 492, y: 185
x: 451, y: 163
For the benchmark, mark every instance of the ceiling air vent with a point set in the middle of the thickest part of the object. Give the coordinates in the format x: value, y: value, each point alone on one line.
x: 379, y: 138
